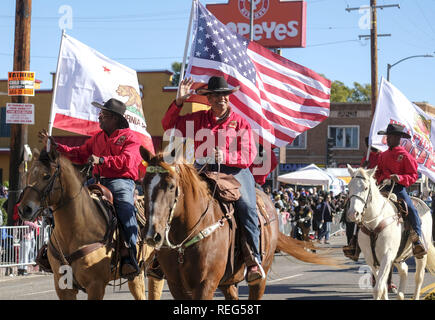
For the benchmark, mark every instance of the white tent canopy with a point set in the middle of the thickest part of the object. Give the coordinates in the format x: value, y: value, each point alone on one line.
x: 312, y: 175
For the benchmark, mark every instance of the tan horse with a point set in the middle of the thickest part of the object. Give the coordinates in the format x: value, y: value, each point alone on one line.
x: 54, y: 182
x: 193, y: 237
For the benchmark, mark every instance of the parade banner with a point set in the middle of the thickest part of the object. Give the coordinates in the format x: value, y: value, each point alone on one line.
x: 393, y: 107
x: 83, y: 76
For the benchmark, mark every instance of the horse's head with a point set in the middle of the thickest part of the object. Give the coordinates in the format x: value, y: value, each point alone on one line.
x: 160, y: 186
x: 42, y: 185
x: 360, y: 192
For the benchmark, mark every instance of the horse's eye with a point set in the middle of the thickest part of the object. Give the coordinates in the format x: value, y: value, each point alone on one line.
x: 46, y: 177
x: 171, y: 186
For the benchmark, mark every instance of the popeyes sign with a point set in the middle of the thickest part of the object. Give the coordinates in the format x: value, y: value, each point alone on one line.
x: 277, y: 24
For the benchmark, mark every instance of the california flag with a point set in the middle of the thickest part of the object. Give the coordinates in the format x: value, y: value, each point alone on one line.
x: 84, y: 76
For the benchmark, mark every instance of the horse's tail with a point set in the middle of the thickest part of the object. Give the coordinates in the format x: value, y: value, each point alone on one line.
x: 430, y: 263
x: 298, y: 249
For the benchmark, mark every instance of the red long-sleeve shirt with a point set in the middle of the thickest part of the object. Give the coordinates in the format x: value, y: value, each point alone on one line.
x: 120, y: 152
x: 397, y: 161
x: 233, y: 135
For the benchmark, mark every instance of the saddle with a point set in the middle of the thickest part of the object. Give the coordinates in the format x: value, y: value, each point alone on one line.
x: 400, y: 204
x: 225, y: 189
x: 103, y: 198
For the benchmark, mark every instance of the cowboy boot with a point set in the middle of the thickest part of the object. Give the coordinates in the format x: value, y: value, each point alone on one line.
x: 418, y: 247
x: 154, y: 270
x: 129, y: 266
x: 254, y: 270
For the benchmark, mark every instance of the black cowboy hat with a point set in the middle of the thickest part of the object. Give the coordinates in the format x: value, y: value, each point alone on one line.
x: 395, y: 129
x: 114, y: 106
x: 216, y: 85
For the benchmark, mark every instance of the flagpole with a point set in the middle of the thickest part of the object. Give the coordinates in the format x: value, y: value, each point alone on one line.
x: 56, y: 79
x: 187, y: 44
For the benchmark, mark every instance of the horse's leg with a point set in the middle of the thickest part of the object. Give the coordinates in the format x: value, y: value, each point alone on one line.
x: 137, y: 286
x: 381, y: 290
x: 64, y: 294
x: 230, y: 292
x: 205, y: 290
x: 178, y: 292
x: 155, y: 288
x: 420, y: 265
x: 96, y: 290
x: 402, y: 267
x: 256, y: 291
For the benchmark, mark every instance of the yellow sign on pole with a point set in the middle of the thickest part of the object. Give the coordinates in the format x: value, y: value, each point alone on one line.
x: 21, y: 83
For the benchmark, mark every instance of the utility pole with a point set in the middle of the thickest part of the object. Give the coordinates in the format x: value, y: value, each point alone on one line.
x: 374, y: 48
x: 374, y: 56
x: 23, y: 14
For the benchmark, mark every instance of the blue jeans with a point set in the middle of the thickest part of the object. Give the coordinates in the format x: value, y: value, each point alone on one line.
x: 123, y: 201
x: 325, y: 231
x: 414, y: 218
x: 246, y: 206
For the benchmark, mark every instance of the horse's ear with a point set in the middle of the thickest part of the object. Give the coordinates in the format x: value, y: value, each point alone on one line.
x: 146, y: 155
x: 371, y: 172
x: 35, y: 153
x: 350, y: 169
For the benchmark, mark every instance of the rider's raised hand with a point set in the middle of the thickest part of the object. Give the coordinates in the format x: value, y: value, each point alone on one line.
x: 184, y: 91
x: 43, y: 136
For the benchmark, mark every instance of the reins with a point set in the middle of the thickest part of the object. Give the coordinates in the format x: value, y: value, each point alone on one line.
x: 189, y: 240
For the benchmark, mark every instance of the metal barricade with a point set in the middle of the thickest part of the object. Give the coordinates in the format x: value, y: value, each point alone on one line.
x: 19, y: 245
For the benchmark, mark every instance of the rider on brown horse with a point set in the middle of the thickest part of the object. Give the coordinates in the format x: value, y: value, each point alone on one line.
x: 114, y: 151
x: 233, y: 148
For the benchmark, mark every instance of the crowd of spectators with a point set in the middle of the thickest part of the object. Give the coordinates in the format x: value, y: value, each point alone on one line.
x: 307, y: 213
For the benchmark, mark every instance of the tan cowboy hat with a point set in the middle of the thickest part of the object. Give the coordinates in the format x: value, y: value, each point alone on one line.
x: 216, y: 85
x: 114, y: 106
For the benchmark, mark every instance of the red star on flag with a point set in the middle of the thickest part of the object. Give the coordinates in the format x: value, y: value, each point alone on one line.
x: 106, y: 69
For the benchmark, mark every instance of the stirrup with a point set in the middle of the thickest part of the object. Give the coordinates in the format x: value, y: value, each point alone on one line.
x: 254, y: 277
x: 418, y: 249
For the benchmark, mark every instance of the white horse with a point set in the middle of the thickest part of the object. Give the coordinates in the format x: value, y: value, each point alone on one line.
x: 378, y: 218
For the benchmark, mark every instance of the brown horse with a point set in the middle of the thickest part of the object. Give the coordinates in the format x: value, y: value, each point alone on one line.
x: 54, y: 182
x: 193, y: 237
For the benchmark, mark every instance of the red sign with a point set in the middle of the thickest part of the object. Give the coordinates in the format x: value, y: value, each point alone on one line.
x: 277, y: 24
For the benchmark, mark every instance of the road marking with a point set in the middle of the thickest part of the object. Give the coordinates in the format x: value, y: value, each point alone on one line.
x: 28, y: 294
x: 285, y: 278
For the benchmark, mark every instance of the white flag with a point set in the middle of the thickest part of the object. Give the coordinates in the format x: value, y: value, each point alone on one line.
x: 393, y: 107
x: 84, y: 76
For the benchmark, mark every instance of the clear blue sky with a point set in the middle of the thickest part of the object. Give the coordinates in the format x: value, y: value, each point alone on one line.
x: 150, y: 35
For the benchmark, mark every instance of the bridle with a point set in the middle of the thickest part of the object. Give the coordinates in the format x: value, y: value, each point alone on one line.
x: 44, y: 194
x: 366, y: 200
x: 166, y: 242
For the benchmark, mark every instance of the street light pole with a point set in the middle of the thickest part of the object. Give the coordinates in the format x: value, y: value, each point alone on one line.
x: 389, y: 66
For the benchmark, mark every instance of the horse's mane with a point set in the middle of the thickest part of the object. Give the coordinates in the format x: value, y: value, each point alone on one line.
x: 66, y: 165
x: 187, y: 175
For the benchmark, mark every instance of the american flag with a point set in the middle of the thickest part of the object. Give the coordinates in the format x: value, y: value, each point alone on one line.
x: 279, y: 98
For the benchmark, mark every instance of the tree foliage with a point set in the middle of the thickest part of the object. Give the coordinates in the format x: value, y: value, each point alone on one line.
x: 342, y: 93
x: 176, y: 68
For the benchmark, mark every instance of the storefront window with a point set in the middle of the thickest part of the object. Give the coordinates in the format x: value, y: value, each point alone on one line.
x: 300, y: 142
x: 345, y: 137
